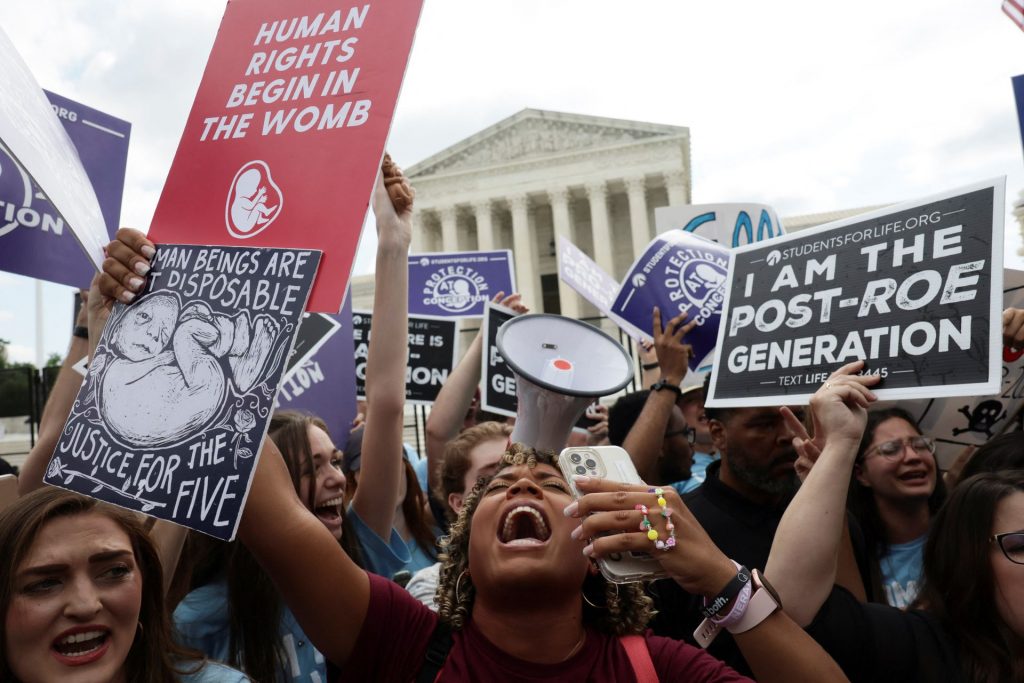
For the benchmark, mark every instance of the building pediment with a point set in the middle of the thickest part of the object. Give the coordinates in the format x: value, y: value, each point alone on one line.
x: 535, y: 134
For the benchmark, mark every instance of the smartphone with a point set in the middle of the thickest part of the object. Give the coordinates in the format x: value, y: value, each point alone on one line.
x: 611, y: 462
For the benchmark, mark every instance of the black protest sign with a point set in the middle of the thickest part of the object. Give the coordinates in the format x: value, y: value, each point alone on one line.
x: 178, y: 397
x: 314, y: 332
x: 498, y: 394
x: 915, y: 290
x: 432, y: 347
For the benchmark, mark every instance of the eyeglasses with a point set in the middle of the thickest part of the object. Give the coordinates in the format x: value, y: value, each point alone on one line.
x: 1012, y: 545
x: 894, y: 448
x: 690, y: 432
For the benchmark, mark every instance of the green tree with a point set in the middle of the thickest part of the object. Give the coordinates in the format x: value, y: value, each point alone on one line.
x: 15, y: 387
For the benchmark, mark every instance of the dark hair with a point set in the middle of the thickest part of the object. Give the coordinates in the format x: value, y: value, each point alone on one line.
x: 289, y: 429
x: 864, y: 508
x: 623, y: 415
x: 254, y: 604
x: 720, y: 414
x: 1004, y: 452
x: 456, y: 463
x: 958, y: 581
x: 154, y: 658
x: 626, y: 608
x: 413, y: 505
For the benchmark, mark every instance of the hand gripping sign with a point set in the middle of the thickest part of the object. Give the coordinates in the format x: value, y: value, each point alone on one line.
x: 915, y: 290
x: 287, y: 131
x: 179, y: 394
x: 31, y: 134
x: 678, y: 272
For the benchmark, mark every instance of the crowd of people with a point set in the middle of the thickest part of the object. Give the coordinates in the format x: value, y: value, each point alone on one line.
x: 801, y: 543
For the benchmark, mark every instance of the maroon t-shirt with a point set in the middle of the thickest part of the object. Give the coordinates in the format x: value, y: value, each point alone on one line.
x: 397, y: 628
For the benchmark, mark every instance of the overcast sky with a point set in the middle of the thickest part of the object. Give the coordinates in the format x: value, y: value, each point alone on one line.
x: 808, y: 106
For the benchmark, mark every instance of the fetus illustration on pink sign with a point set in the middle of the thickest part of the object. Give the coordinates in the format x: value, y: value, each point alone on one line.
x: 254, y: 201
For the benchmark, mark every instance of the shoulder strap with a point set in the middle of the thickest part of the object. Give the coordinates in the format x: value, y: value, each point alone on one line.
x: 640, y: 658
x: 437, y: 652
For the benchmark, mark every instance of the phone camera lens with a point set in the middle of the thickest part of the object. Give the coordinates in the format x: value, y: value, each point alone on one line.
x: 580, y: 469
x: 591, y: 463
x: 575, y: 457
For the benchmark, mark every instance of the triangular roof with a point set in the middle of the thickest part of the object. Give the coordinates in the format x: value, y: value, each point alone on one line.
x: 534, y: 133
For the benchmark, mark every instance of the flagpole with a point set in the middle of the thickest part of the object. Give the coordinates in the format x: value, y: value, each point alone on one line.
x: 39, y: 324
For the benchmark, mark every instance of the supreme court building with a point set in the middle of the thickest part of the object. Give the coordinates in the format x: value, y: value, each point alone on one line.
x: 537, y: 175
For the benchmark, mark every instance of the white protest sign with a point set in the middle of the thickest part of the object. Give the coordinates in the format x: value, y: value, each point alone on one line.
x: 32, y: 135
x: 731, y: 225
x: 914, y: 289
x: 590, y: 281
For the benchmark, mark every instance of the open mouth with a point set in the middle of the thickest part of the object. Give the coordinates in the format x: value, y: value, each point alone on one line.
x: 914, y: 476
x: 329, y: 511
x: 524, y: 525
x: 82, y: 647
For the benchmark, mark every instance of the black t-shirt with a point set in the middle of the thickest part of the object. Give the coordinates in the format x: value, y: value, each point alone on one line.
x: 744, y: 531
x: 876, y: 643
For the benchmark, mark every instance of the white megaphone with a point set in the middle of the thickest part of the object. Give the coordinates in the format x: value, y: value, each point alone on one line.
x: 561, y: 366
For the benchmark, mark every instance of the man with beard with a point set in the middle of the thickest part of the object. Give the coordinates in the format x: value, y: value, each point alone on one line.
x: 740, y: 505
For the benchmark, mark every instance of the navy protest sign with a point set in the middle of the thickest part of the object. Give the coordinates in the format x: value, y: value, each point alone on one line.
x: 179, y: 393
x: 498, y: 394
x: 914, y: 289
x: 678, y: 272
x: 432, y: 347
x: 34, y: 239
x: 314, y: 331
x: 731, y: 225
x: 458, y: 284
x: 324, y: 382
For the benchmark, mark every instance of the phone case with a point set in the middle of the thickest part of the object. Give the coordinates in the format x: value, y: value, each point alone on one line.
x: 611, y: 462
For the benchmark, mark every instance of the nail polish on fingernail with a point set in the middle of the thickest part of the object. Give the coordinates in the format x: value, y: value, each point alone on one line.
x: 571, y: 509
x: 127, y: 296
x: 141, y: 268
x: 147, y: 251
x: 136, y: 283
x: 577, y: 533
x: 581, y: 478
x: 589, y: 550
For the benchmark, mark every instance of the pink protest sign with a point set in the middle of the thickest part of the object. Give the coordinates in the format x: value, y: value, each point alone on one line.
x: 288, y: 129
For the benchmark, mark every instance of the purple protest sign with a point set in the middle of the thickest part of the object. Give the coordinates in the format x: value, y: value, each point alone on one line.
x: 324, y: 384
x: 678, y: 272
x: 458, y: 284
x: 34, y: 239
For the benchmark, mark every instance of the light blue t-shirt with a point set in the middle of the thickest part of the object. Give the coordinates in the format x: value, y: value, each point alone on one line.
x: 901, y: 571
x: 698, y: 472
x: 419, y: 466
x: 201, y: 622
x: 213, y: 672
x: 384, y: 559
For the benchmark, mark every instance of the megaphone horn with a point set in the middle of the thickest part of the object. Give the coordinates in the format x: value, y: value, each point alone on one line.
x: 561, y: 366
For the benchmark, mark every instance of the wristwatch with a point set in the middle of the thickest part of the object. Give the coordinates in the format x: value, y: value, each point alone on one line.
x: 763, y: 603
x: 665, y: 384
